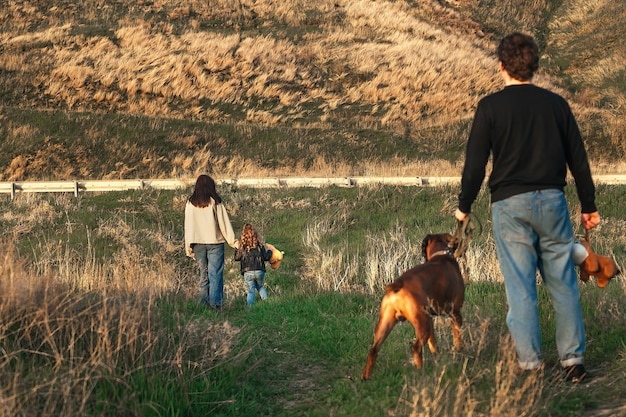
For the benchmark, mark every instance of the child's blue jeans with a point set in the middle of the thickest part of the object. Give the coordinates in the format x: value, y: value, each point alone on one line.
x: 254, y: 282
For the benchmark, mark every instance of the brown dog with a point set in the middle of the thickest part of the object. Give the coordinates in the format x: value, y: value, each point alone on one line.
x: 434, y: 288
x: 601, y: 267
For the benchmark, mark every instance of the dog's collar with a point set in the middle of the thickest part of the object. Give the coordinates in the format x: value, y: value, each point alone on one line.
x: 441, y: 252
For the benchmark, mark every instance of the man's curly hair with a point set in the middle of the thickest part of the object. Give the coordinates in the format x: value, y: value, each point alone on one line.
x: 519, y: 55
x: 249, y: 237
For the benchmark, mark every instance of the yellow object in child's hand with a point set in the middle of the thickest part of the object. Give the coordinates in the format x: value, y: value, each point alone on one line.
x: 277, y: 255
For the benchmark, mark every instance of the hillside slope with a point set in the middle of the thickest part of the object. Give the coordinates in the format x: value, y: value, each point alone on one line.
x: 121, y: 89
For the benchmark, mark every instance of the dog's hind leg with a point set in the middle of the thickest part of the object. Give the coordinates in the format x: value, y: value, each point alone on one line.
x: 432, y: 343
x: 385, y: 324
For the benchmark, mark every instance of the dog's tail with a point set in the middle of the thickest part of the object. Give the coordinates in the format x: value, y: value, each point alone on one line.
x: 394, y: 286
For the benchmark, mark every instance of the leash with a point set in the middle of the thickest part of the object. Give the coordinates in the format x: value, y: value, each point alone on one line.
x: 463, y: 235
x: 461, y: 240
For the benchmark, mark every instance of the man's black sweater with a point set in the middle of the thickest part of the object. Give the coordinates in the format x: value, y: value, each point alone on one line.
x: 534, y: 138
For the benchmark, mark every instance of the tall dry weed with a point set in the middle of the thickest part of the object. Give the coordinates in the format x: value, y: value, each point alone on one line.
x: 446, y: 395
x: 386, y: 257
x: 63, y: 339
x: 61, y: 342
x: 340, y: 269
x: 513, y: 389
x: 480, y: 263
x: 329, y: 268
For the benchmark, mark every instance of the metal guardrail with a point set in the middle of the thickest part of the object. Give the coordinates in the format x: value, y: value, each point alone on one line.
x: 76, y: 187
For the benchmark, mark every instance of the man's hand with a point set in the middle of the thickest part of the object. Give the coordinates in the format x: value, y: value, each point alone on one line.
x: 590, y: 220
x: 460, y: 216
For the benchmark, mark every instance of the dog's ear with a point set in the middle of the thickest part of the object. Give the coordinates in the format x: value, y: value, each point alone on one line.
x: 425, y: 245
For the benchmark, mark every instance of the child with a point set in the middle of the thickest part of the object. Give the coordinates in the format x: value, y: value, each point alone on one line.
x: 252, y: 254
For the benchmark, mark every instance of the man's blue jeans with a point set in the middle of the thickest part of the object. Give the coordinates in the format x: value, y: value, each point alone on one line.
x: 255, y: 281
x: 533, y: 231
x: 210, y: 260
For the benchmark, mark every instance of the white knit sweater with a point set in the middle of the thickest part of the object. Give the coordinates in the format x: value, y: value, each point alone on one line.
x: 207, y: 225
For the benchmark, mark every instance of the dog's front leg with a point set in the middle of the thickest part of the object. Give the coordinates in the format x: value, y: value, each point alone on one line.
x: 457, y: 321
x: 423, y: 326
x: 418, y: 348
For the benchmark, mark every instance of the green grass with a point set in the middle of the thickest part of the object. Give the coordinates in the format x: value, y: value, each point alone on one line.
x: 307, y: 353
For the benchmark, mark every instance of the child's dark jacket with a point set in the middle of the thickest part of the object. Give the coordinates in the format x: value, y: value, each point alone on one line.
x: 253, y: 259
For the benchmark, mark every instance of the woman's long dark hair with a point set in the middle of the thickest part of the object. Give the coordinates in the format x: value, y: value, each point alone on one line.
x: 204, y: 191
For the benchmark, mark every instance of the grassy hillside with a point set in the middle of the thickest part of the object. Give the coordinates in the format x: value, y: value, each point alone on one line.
x: 98, y: 309
x: 120, y: 89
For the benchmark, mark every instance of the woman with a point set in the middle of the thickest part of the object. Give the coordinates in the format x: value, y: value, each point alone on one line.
x: 207, y: 227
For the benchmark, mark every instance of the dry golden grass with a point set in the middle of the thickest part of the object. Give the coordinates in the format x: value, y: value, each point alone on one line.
x: 384, y: 259
x: 408, y: 65
x: 377, y: 66
x: 584, y: 32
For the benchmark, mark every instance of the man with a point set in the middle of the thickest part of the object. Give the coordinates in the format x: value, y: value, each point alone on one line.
x: 534, y: 138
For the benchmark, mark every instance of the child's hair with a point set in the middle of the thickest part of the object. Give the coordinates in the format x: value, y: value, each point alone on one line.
x: 249, y: 237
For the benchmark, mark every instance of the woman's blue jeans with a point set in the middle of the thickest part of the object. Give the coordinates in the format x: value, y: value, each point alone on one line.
x: 533, y: 231
x: 254, y: 282
x: 210, y: 260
